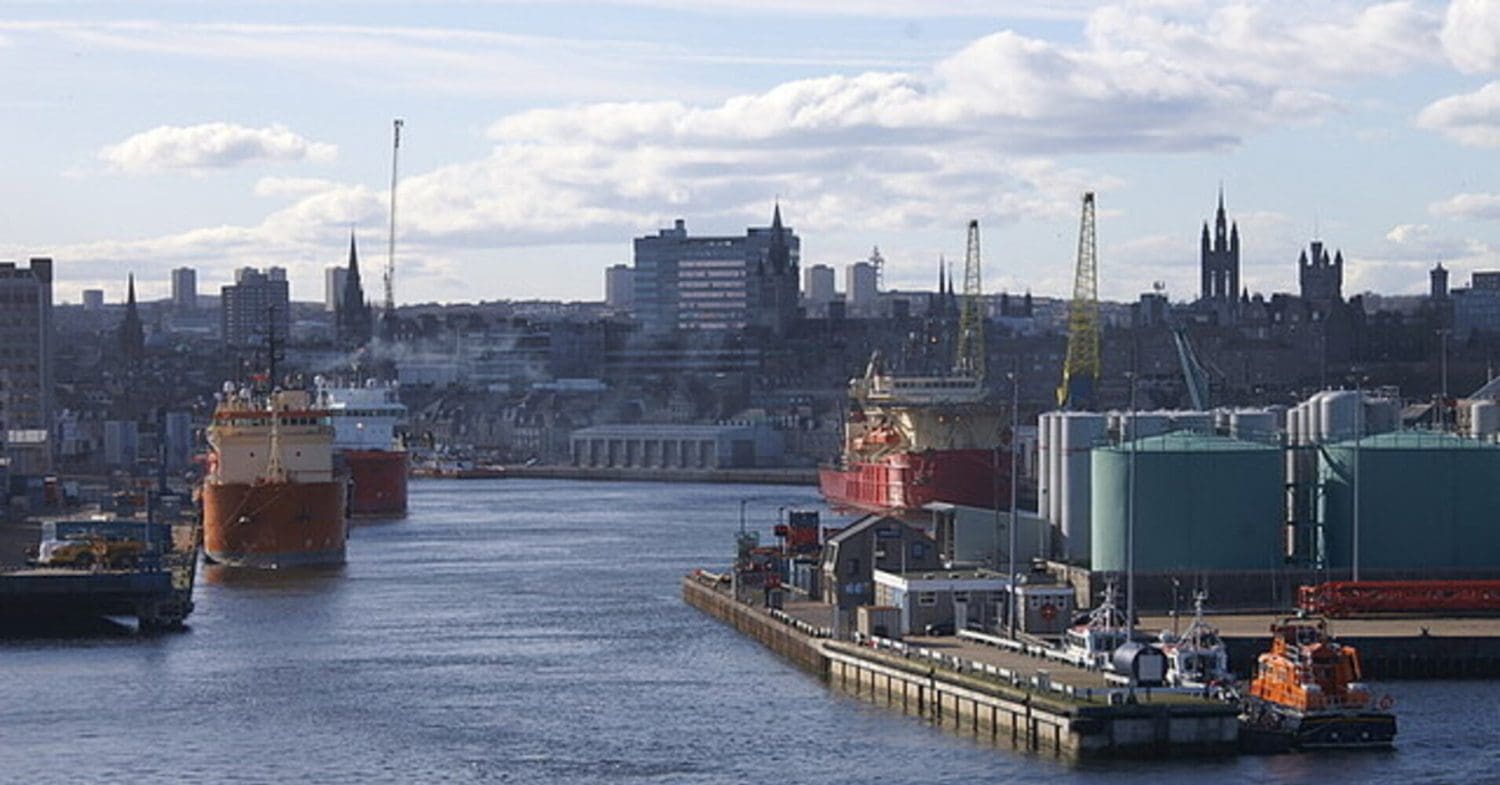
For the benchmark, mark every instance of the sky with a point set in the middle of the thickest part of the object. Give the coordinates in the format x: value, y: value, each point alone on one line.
x: 541, y: 137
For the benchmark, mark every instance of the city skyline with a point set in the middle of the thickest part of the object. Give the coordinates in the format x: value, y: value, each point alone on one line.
x: 541, y: 140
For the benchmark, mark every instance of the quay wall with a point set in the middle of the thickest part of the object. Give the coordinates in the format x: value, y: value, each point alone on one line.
x: 1017, y: 716
x: 639, y: 474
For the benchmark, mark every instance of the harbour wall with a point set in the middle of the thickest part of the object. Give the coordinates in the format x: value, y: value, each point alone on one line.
x: 1019, y: 714
x: 1385, y: 658
x: 640, y: 474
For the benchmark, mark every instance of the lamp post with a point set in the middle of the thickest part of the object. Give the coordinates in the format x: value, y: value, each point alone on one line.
x: 1015, y: 423
x: 1443, y: 401
x: 1130, y: 519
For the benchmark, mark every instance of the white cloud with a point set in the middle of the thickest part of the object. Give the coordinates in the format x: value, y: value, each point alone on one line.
x: 292, y: 186
x: 1473, y: 206
x: 196, y: 148
x: 1471, y: 35
x: 1472, y: 119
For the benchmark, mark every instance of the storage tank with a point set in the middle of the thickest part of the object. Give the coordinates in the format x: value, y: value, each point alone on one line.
x: 1055, y: 465
x: 1484, y: 419
x: 1340, y: 415
x: 1428, y: 502
x: 1134, y: 425
x: 1382, y: 415
x: 1081, y: 432
x: 1043, y: 476
x: 1253, y: 425
x: 1313, y: 432
x: 1203, y: 503
x: 1195, y: 421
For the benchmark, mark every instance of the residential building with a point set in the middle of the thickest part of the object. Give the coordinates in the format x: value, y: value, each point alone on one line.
x: 26, y: 365
x: 333, y: 287
x: 619, y: 287
x: 860, y: 289
x: 184, y: 289
x: 257, y: 303
x: 93, y: 299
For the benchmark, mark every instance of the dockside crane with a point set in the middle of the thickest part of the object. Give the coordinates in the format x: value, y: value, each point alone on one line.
x: 390, y: 259
x: 1080, y: 377
x: 970, y: 360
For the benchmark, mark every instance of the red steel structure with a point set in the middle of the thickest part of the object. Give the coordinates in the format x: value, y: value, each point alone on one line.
x: 1349, y: 598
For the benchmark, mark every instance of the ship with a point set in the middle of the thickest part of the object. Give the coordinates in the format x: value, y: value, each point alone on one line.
x: 272, y: 496
x: 1197, y: 658
x: 1307, y: 694
x: 913, y: 440
x: 366, y: 419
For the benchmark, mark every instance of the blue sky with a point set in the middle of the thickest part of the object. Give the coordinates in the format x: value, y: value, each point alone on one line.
x: 541, y: 137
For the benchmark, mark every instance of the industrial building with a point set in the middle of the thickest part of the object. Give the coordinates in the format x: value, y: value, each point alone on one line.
x: 676, y: 447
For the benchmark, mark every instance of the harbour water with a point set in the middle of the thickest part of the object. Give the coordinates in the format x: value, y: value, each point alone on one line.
x: 532, y: 631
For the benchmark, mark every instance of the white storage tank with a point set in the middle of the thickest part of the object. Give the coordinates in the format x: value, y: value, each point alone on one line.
x: 1382, y: 415
x: 1055, y: 465
x: 1043, y: 464
x: 1484, y: 420
x: 1312, y: 426
x: 1340, y: 415
x: 1138, y: 425
x: 1195, y: 421
x: 1081, y: 433
x: 1252, y: 425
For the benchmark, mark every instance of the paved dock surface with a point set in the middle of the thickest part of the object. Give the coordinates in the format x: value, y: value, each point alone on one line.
x: 1259, y: 626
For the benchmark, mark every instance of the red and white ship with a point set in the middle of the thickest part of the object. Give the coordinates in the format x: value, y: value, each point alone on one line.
x: 272, y: 496
x: 912, y: 440
x: 366, y: 419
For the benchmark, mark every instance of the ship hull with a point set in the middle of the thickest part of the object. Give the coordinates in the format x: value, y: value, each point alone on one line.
x: 275, y: 524
x: 378, y: 482
x: 910, y: 480
x: 1267, y: 725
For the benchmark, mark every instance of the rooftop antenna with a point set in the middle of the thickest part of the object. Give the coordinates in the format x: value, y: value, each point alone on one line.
x: 390, y: 258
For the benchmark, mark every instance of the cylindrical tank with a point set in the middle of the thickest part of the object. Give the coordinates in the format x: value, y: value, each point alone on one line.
x: 1340, y: 415
x: 1135, y: 425
x: 1043, y: 477
x: 1195, y: 421
x: 1203, y: 503
x: 1222, y: 419
x: 1081, y: 432
x: 1427, y: 503
x: 1382, y: 415
x: 1057, y: 484
x: 1484, y: 419
x: 1254, y: 425
x: 1313, y: 425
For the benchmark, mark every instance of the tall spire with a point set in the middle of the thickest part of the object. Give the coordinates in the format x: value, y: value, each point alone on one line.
x: 776, y: 217
x: 132, y: 334
x: 353, y: 255
x: 130, y: 293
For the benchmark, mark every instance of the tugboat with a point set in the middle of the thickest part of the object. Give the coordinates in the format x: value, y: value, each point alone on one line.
x: 1307, y: 694
x: 1197, y: 659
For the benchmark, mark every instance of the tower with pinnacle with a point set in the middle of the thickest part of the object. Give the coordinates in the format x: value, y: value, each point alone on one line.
x: 1219, y: 256
x: 355, y: 322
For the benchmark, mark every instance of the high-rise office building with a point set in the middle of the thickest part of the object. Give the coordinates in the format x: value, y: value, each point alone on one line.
x: 619, y: 287
x: 253, y: 305
x: 185, y: 289
x: 93, y: 299
x: 26, y: 365
x: 717, y: 283
x: 333, y: 287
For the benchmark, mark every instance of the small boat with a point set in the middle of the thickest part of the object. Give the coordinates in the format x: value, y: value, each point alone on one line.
x: 1197, y: 658
x: 1092, y: 642
x: 1307, y: 694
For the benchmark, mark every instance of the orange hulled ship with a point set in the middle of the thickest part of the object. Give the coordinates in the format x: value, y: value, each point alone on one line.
x: 1307, y: 693
x: 366, y: 418
x: 272, y: 497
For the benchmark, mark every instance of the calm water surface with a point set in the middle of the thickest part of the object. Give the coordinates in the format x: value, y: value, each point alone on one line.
x: 532, y: 631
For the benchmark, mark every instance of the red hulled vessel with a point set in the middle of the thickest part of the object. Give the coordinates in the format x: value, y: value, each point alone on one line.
x: 365, y: 421
x: 912, y: 440
x: 272, y: 497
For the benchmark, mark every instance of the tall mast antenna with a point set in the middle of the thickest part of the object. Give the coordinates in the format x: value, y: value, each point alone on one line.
x: 390, y: 258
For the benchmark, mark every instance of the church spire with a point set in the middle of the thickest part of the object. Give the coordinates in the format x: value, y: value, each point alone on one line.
x: 132, y: 333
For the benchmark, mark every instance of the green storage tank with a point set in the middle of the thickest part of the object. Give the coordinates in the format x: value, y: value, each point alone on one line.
x: 1202, y: 504
x: 1427, y: 501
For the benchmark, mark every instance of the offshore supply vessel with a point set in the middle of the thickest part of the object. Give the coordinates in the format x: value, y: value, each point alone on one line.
x: 911, y: 440
x: 366, y: 418
x: 1307, y: 694
x: 272, y: 496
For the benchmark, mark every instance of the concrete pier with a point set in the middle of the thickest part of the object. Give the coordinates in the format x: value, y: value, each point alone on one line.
x: 1048, y: 707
